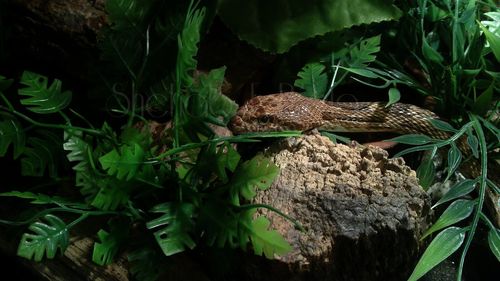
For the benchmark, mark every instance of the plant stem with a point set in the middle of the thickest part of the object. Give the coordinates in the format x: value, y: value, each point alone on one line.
x: 54, y: 126
x: 296, y: 224
x: 482, y: 190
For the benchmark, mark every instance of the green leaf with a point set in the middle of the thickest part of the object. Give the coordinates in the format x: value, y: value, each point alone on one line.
x: 42, y: 154
x: 362, y: 72
x: 5, y: 83
x: 442, y: 125
x: 484, y: 101
x: 494, y: 242
x: 177, y: 220
x: 457, y: 211
x: 218, y: 223
x: 11, y: 132
x: 188, y: 44
x: 394, y: 96
x: 43, y: 99
x: 426, y: 173
x: 258, y: 172
x: 458, y: 190
x: 111, y: 193
x: 105, y: 252
x: 313, y: 80
x: 412, y: 139
x: 454, y: 159
x: 415, y: 149
x: 46, y: 239
x: 277, y: 25
x: 363, y: 53
x: 493, y: 40
x: 207, y: 103
x: 147, y: 264
x: 430, y: 53
x: 445, y: 244
x: 227, y: 158
x: 473, y: 143
x: 264, y: 241
x: 125, y: 163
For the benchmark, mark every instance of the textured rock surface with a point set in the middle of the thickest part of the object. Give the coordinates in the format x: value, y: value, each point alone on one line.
x: 363, y: 213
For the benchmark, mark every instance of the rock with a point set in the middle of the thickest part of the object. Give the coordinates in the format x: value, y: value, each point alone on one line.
x: 363, y: 213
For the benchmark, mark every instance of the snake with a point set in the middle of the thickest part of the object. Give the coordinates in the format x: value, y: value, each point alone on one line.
x: 294, y: 111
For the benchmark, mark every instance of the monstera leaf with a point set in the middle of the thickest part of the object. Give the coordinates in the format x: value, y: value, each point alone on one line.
x: 43, y: 98
x: 46, y: 239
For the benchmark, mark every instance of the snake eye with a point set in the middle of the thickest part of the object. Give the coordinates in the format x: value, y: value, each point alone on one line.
x: 264, y: 119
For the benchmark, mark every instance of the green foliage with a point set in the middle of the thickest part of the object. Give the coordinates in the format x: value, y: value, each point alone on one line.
x: 42, y: 98
x: 494, y: 242
x: 256, y: 173
x: 268, y: 25
x: 445, y: 244
x: 177, y: 220
x: 196, y: 182
x: 105, y: 251
x: 457, y: 211
x: 41, y: 154
x: 46, y: 239
x: 11, y: 132
x: 353, y: 57
x: 312, y: 80
x: 264, y: 241
x: 123, y: 163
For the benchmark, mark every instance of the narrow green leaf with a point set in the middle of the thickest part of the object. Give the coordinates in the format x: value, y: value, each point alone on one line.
x: 415, y: 149
x: 494, y: 242
x: 412, y: 139
x: 493, y: 40
x: 394, y: 96
x: 473, y: 143
x: 484, y: 102
x: 445, y: 244
x: 457, y: 211
x: 430, y: 53
x: 426, y: 173
x: 458, y: 190
x: 454, y: 159
x: 442, y: 125
x: 313, y: 80
x: 362, y: 72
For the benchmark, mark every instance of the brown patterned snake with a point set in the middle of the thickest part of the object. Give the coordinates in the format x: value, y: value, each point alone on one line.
x: 293, y: 111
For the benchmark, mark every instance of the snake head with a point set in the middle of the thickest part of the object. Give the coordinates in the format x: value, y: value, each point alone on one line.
x: 277, y: 112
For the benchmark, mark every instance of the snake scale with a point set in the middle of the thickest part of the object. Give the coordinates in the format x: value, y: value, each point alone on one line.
x: 293, y: 111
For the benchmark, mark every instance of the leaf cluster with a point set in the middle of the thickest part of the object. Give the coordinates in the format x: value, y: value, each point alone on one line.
x: 187, y: 189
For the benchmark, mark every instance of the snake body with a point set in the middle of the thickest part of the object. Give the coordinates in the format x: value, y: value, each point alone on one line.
x: 293, y: 111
